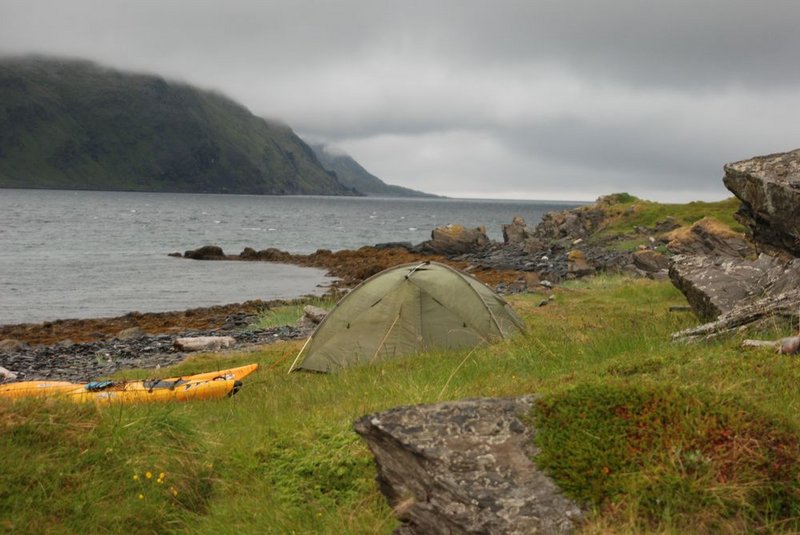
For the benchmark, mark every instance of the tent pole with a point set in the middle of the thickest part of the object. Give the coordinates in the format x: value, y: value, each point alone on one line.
x: 300, y: 353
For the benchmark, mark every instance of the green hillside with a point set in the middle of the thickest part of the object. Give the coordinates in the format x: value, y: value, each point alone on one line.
x: 75, y: 125
x: 352, y: 174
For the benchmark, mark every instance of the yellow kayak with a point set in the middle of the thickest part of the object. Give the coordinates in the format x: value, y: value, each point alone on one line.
x: 208, y: 385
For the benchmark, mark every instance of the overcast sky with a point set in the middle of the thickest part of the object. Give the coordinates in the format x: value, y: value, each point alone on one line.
x: 501, y: 99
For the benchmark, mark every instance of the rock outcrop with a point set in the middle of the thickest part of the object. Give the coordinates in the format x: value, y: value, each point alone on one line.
x: 709, y: 236
x: 769, y: 188
x: 207, y: 252
x: 464, y: 467
x: 456, y: 239
x: 572, y: 224
x: 517, y: 232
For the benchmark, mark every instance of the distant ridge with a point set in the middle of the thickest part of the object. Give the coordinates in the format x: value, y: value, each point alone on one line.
x: 352, y: 174
x: 71, y: 124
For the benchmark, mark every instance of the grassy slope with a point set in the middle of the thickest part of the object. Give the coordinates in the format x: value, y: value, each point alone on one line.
x: 624, y: 217
x: 280, y: 457
x: 654, y: 437
x: 74, y: 125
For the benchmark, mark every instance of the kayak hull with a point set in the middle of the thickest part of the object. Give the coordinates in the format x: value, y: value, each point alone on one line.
x: 209, y: 385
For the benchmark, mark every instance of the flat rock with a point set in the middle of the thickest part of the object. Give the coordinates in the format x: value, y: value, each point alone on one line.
x: 465, y: 467
x: 204, y: 343
x: 716, y: 285
x: 769, y: 188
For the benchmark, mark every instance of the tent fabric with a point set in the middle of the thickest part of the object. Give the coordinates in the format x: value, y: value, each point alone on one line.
x: 408, y: 309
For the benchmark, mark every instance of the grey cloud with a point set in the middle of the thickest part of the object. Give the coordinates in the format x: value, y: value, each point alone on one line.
x: 543, y: 96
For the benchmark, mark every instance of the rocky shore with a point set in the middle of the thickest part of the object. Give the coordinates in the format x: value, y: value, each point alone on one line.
x: 564, y: 245
x: 68, y: 361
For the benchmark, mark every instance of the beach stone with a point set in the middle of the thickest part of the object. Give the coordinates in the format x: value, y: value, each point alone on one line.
x: 131, y: 332
x: 10, y: 345
x: 769, y: 188
x: 248, y: 253
x: 7, y: 375
x: 204, y: 343
x: 207, y: 252
x: 465, y: 467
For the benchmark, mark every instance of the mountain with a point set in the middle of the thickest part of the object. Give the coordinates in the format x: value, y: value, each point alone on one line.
x: 71, y: 124
x: 351, y: 174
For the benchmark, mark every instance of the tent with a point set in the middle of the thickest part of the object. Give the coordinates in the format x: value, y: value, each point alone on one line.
x: 404, y: 310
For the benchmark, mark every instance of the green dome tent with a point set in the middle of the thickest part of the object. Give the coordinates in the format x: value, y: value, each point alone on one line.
x: 404, y: 310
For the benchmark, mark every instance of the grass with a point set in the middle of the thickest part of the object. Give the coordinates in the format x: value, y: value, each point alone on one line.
x: 288, y: 314
x: 629, y: 212
x: 693, y: 438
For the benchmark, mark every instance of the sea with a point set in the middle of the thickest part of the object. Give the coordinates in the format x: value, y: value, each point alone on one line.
x: 90, y: 254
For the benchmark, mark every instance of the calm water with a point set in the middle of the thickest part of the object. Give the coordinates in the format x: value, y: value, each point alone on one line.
x: 67, y: 254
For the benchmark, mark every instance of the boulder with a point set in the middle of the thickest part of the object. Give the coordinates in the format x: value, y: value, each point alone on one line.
x: 314, y: 314
x: 455, y: 240
x: 571, y: 224
x: 709, y: 237
x: 577, y: 264
x: 273, y: 255
x: 130, y: 333
x: 465, y: 467
x: 769, y: 188
x: 516, y: 232
x: 7, y: 375
x: 204, y: 343
x: 9, y: 345
x: 207, y: 252
x: 248, y: 253
x: 716, y: 285
x: 650, y: 261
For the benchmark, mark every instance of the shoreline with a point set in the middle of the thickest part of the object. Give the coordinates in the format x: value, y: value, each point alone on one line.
x: 347, y: 267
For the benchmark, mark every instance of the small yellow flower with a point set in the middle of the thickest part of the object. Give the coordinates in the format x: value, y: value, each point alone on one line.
x: 141, y: 496
x: 162, y: 475
x: 136, y: 477
x: 148, y: 474
x: 174, y: 491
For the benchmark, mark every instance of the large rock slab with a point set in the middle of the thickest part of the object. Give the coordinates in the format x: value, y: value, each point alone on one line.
x: 465, y: 467
x: 716, y: 285
x: 769, y: 188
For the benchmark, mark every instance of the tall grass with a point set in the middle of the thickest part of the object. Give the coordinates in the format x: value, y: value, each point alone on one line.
x: 281, y: 456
